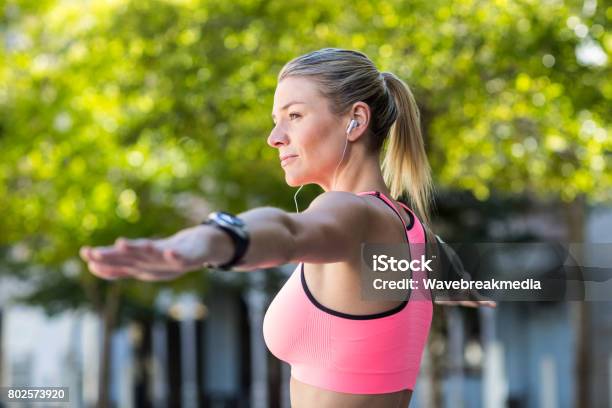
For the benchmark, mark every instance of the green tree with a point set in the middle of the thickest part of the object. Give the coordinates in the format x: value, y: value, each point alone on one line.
x: 115, y: 116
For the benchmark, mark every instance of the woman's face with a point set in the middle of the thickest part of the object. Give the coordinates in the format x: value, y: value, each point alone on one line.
x: 306, y: 132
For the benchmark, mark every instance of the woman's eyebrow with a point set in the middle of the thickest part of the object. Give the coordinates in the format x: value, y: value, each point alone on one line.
x: 288, y: 105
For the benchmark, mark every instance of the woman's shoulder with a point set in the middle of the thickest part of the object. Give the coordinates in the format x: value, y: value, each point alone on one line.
x: 341, y: 205
x: 334, y: 198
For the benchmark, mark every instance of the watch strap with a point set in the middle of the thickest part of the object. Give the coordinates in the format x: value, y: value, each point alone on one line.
x: 241, y: 242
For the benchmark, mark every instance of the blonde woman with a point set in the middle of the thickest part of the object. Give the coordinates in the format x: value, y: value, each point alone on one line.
x: 333, y: 114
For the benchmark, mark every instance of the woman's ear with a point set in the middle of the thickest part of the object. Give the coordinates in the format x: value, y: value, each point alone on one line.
x: 361, y: 113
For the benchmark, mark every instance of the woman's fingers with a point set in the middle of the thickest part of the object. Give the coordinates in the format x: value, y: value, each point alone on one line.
x: 108, y: 271
x: 116, y: 256
x: 113, y: 264
x: 103, y: 255
x: 135, y: 245
x: 84, y: 253
x: 479, y: 303
x: 121, y: 254
x: 483, y: 300
x: 144, y: 259
x: 467, y: 303
x: 112, y: 271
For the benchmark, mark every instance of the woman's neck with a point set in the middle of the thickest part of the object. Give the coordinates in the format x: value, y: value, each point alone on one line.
x: 360, y: 175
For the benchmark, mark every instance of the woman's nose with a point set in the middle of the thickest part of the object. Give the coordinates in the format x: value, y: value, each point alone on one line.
x: 277, y: 137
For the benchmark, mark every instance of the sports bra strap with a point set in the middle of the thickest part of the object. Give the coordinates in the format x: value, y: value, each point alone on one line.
x: 408, y: 210
x: 393, y: 207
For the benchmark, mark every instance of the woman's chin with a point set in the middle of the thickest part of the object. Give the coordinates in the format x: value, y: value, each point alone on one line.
x: 293, y: 181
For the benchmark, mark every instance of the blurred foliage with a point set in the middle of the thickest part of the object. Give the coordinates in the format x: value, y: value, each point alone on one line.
x: 114, y: 115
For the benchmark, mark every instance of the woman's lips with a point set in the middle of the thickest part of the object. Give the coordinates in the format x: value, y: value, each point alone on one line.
x: 287, y: 160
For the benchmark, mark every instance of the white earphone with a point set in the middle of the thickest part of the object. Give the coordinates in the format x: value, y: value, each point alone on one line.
x: 352, y: 125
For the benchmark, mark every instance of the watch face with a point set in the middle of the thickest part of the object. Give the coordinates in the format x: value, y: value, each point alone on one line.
x: 231, y: 219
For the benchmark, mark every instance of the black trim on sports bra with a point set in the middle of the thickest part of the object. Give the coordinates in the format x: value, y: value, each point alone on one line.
x: 378, y: 315
x: 326, y: 309
x: 410, y: 216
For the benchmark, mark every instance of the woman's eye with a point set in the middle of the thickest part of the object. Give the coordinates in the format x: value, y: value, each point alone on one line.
x: 294, y: 114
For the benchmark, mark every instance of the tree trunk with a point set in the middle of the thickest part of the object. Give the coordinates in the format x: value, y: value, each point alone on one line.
x: 109, y: 316
x: 575, y: 218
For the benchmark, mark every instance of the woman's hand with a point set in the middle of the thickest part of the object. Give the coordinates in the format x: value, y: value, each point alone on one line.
x: 149, y: 259
x: 467, y: 303
x: 473, y: 299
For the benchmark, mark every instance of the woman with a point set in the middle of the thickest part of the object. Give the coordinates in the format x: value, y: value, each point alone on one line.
x: 333, y: 111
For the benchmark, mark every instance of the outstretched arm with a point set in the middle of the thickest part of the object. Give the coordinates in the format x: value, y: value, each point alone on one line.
x: 328, y: 231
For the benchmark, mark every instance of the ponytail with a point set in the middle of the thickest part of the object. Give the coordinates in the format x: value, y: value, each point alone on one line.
x: 405, y: 166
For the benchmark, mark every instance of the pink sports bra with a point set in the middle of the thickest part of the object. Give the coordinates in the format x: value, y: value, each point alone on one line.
x: 358, y: 354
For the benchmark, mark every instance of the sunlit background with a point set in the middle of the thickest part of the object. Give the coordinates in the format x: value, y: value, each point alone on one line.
x: 137, y: 118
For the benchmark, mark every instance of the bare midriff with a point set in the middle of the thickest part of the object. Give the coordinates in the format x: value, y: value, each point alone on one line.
x: 308, y: 396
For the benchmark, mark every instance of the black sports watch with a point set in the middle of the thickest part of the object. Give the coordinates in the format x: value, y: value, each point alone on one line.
x: 237, y: 231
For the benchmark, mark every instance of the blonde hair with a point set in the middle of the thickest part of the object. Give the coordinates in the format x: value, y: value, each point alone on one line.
x: 345, y: 77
